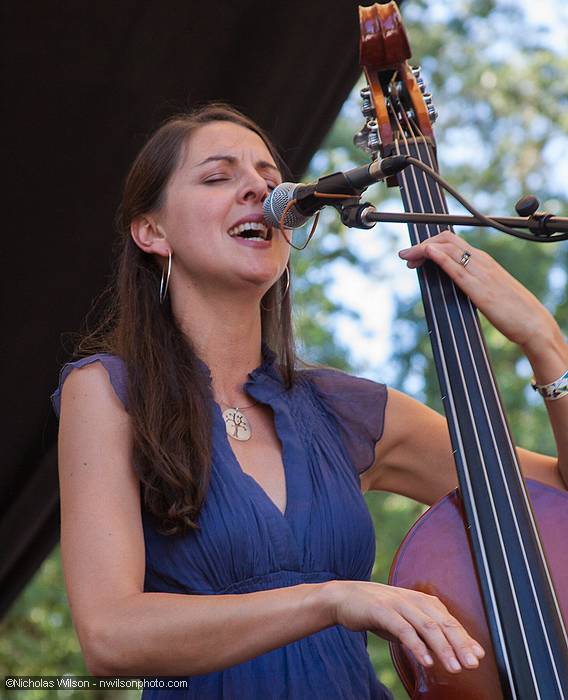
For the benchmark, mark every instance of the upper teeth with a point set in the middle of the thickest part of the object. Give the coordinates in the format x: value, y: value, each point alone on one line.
x: 256, y: 226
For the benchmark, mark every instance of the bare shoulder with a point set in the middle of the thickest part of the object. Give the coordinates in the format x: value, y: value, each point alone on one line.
x: 92, y: 379
x: 101, y: 530
x: 94, y: 427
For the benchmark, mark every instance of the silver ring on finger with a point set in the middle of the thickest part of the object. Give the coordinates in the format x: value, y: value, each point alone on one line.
x: 465, y: 258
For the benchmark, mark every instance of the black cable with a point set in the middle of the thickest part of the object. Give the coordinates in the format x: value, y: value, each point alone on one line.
x: 552, y: 238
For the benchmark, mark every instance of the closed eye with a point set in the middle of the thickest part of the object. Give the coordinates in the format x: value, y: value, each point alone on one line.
x: 212, y: 180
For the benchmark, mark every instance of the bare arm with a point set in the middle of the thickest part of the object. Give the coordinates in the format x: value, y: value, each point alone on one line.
x: 547, y: 351
x: 414, y: 457
x: 125, y: 631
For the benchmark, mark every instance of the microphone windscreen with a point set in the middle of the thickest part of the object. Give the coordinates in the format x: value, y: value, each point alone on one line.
x: 277, y: 201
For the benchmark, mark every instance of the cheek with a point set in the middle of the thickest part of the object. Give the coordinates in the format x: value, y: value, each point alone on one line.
x: 214, y: 207
x: 191, y: 222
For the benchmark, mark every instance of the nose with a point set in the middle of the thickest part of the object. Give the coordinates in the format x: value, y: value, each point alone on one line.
x: 253, y: 188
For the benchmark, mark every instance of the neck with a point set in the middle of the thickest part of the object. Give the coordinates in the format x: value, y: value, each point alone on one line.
x: 226, y: 335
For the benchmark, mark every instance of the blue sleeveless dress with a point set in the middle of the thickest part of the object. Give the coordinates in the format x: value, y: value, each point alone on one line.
x: 328, y: 424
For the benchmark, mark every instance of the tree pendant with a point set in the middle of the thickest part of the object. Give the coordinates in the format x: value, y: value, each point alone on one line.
x: 236, y: 424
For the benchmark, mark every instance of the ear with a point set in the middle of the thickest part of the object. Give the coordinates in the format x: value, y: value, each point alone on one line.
x: 149, y: 236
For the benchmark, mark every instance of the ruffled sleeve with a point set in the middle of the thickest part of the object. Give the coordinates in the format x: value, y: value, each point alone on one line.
x: 114, y: 366
x: 358, y: 407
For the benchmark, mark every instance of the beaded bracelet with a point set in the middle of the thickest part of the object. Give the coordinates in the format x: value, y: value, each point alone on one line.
x: 554, y: 390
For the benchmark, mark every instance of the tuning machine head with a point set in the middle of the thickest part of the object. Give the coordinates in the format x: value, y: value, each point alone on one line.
x: 367, y: 107
x: 416, y: 72
x: 368, y: 138
x: 432, y: 111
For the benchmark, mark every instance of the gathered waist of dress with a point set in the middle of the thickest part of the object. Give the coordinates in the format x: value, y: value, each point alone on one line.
x: 278, y: 579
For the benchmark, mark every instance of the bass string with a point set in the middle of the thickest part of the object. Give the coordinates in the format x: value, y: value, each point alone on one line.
x: 450, y: 397
x: 517, y: 471
x: 429, y: 187
x: 434, y: 187
x: 413, y: 129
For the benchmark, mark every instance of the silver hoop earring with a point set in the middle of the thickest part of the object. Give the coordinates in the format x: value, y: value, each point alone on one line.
x: 283, y: 295
x: 164, y: 287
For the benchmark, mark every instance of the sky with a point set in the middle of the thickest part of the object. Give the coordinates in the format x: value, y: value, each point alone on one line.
x: 551, y: 14
x: 369, y: 338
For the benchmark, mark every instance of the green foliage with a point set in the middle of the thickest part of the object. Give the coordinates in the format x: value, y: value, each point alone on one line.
x: 501, y: 90
x: 501, y: 134
x: 37, y: 638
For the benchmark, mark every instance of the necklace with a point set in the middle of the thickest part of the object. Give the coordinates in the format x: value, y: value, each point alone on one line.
x: 236, y: 423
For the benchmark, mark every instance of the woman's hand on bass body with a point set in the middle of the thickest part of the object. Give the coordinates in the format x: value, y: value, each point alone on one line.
x: 419, y: 621
x: 506, y: 303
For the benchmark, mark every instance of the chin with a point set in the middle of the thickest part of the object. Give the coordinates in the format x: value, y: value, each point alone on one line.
x: 262, y: 285
x: 262, y: 278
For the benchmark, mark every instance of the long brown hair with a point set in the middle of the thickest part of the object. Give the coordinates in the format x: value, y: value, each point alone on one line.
x: 169, y: 396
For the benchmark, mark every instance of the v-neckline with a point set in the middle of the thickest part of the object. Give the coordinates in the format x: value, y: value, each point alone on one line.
x: 265, y: 384
x: 258, y: 488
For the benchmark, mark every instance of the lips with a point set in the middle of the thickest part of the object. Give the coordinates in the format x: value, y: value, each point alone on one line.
x: 252, y: 242
x: 252, y: 222
x: 261, y: 230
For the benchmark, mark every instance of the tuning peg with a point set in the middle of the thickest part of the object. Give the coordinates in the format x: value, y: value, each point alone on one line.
x: 374, y: 140
x: 421, y: 84
x: 416, y: 71
x: 432, y: 113
x: 367, y: 108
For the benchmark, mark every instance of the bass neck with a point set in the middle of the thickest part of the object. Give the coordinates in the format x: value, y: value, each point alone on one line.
x: 522, y: 609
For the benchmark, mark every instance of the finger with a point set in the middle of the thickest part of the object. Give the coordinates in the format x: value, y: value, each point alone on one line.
x: 435, y: 251
x: 467, y: 650
x: 433, y: 635
x: 445, y: 636
x: 446, y: 239
x: 463, y: 275
x: 395, y: 628
x: 465, y: 647
x: 420, y: 250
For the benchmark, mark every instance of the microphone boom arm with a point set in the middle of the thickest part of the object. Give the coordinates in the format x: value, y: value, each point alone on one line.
x: 543, y: 228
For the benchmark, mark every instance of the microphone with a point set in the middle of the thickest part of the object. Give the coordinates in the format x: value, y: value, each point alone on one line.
x: 351, y: 182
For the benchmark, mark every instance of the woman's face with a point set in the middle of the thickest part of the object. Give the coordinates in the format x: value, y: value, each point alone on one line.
x: 225, y: 173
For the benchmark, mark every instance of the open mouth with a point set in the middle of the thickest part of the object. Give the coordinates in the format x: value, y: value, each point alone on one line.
x: 252, y: 230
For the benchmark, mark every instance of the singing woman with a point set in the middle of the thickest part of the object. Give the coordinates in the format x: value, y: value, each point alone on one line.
x: 213, y: 525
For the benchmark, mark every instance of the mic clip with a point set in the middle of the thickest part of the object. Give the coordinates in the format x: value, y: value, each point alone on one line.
x: 353, y: 213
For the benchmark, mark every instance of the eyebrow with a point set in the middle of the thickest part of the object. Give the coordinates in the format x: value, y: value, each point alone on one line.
x: 261, y: 164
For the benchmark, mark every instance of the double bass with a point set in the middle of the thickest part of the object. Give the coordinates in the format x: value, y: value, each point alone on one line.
x: 481, y: 549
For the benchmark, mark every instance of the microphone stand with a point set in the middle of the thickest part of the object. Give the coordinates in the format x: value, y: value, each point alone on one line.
x: 542, y: 225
